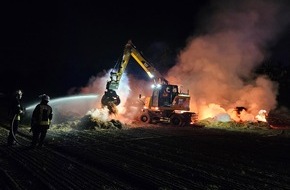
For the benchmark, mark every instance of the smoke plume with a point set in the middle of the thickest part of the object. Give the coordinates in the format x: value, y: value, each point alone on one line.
x: 218, y: 65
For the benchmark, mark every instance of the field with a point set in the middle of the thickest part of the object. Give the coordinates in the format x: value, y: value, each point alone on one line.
x: 148, y: 157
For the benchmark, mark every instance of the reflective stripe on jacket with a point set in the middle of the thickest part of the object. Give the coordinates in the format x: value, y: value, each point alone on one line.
x: 42, y: 114
x: 44, y: 122
x: 17, y: 117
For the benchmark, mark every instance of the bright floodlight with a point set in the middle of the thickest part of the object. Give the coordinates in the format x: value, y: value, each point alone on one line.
x: 156, y: 86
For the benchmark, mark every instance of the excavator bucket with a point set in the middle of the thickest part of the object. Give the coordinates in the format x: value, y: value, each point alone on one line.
x: 111, y: 100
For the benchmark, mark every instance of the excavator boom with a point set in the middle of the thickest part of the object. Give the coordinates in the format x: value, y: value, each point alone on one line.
x: 130, y: 50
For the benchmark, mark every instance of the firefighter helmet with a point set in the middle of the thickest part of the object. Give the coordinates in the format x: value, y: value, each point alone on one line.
x: 18, y: 92
x: 45, y: 97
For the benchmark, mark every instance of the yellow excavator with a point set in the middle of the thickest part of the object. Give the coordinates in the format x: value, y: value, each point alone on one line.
x: 167, y: 104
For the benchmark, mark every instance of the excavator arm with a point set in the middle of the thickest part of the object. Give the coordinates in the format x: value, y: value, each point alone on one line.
x: 110, y: 97
x: 148, y: 68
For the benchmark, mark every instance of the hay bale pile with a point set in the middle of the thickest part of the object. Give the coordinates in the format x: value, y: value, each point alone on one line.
x: 90, y: 123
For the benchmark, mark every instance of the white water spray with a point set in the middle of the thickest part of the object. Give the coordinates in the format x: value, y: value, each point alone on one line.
x: 69, y: 108
x: 68, y: 99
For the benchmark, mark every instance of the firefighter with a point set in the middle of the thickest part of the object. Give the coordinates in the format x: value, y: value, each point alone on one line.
x: 16, y: 112
x: 40, y: 121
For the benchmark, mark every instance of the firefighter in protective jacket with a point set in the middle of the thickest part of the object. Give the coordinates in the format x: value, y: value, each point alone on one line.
x: 40, y: 121
x: 16, y: 112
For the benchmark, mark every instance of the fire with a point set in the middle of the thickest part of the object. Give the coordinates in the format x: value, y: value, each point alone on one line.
x: 238, y: 114
x: 262, y: 116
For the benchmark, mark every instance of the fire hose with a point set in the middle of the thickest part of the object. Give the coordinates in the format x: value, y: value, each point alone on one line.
x: 12, y: 131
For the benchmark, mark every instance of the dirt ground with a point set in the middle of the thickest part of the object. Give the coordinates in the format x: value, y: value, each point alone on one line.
x: 148, y: 157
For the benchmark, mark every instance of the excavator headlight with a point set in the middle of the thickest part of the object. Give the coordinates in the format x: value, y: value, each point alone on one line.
x: 156, y: 85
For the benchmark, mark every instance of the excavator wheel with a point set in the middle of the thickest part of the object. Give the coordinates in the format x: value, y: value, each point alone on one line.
x: 177, y: 120
x: 145, y: 117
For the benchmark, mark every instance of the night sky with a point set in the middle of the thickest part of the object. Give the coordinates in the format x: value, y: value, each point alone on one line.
x: 53, y: 46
